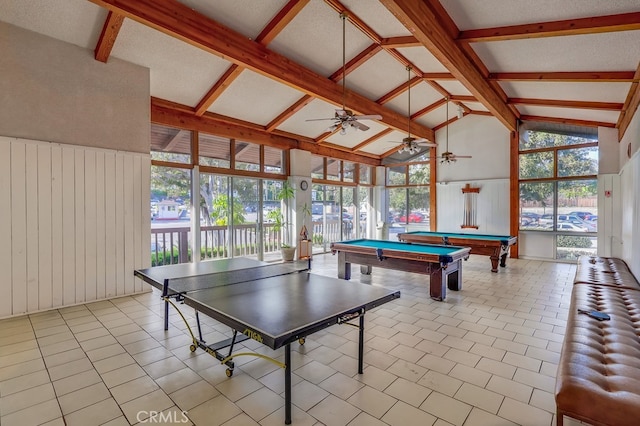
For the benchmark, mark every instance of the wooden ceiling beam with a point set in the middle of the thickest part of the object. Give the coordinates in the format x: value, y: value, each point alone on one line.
x: 569, y: 77
x: 432, y: 76
x: 610, y: 106
x: 399, y: 42
x: 630, y: 105
x: 431, y: 29
x: 178, y: 20
x: 570, y: 121
x: 371, y: 139
x: 592, y: 25
x: 108, y: 36
x: 268, y: 33
x: 280, y: 21
x: 357, y: 61
x: 301, y: 103
x: 182, y: 117
x: 355, y: 21
x: 218, y: 88
x: 429, y: 108
x: 398, y: 90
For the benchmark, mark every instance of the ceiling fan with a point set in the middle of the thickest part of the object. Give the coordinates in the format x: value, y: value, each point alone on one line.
x: 344, y: 118
x: 448, y: 156
x: 410, y: 144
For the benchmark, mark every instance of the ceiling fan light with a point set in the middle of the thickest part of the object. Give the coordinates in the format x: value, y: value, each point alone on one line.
x: 343, y: 131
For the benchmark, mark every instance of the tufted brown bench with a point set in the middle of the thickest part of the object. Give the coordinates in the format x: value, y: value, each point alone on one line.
x: 598, y: 379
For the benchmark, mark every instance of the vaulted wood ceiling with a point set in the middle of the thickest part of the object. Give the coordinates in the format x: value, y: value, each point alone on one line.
x: 272, y: 66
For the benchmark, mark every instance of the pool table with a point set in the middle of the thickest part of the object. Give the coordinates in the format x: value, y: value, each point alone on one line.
x: 442, y: 263
x: 494, y: 246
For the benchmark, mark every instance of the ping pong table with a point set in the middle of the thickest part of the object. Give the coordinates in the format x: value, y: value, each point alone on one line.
x: 273, y: 304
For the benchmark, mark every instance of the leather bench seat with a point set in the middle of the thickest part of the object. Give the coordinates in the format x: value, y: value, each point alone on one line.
x: 598, y: 378
x: 604, y: 270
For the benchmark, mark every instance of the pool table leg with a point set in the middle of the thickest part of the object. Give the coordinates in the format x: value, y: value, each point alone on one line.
x: 504, y: 251
x: 344, y: 267
x: 494, y: 263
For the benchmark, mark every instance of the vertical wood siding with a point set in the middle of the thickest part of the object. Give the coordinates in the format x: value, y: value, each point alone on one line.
x: 74, y: 224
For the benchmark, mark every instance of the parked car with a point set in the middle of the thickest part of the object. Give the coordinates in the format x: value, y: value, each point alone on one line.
x: 568, y: 226
x: 528, y: 217
x: 582, y: 215
x: 590, y: 227
x: 414, y: 217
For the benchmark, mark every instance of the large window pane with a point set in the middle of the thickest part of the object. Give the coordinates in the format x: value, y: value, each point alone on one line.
x: 419, y: 174
x: 536, y: 165
x: 348, y: 171
x: 397, y: 208
x: 247, y: 156
x: 539, y: 139
x: 570, y: 247
x: 333, y: 169
x: 397, y: 175
x: 537, y: 208
x: 214, y: 151
x: 217, y: 215
x: 245, y: 227
x: 273, y: 160
x: 348, y: 216
x: 365, y: 174
x: 418, y: 205
x: 317, y: 167
x: 365, y: 212
x: 578, y: 205
x: 170, y: 214
x: 169, y: 144
x: 578, y: 162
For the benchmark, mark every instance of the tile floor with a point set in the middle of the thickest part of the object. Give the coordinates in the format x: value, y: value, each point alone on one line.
x: 485, y: 356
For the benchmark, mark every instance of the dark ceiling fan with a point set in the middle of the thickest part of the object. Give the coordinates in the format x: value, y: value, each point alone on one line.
x: 344, y: 118
x: 410, y: 144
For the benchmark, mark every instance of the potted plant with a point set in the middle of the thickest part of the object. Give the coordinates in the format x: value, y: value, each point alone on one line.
x: 305, y: 238
x: 281, y: 221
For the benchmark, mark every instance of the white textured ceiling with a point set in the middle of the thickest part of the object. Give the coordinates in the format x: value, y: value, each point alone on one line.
x: 313, y: 39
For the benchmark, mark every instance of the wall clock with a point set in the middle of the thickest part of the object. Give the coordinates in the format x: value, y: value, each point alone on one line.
x: 304, y: 185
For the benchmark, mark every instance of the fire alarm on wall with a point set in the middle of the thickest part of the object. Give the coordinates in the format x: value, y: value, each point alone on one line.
x: 607, y: 194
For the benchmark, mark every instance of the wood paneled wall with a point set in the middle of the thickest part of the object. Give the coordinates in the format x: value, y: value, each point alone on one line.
x: 74, y: 224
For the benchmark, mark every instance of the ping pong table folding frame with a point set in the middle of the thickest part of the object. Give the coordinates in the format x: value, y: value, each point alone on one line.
x: 364, y: 298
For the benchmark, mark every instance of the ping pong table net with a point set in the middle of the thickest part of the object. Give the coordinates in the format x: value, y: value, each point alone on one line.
x: 218, y: 279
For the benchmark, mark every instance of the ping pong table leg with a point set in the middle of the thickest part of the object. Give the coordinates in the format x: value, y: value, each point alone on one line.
x: 361, y: 345
x: 287, y: 384
x: 166, y: 314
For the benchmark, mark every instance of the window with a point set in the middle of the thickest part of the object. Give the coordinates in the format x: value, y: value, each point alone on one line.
x: 170, y: 145
x: 214, y: 151
x: 558, y: 188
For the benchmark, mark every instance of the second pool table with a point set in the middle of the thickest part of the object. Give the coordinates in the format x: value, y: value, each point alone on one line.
x: 494, y: 246
x: 442, y: 263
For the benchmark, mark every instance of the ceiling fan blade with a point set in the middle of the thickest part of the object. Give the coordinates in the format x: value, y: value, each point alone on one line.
x: 320, y: 119
x: 425, y: 143
x: 369, y: 117
x: 462, y: 156
x: 359, y: 126
x: 332, y: 128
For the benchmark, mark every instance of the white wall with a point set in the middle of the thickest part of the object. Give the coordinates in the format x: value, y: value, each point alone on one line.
x: 492, y: 205
x: 486, y: 140
x: 57, y: 92
x: 74, y: 174
x: 630, y: 198
x: 75, y: 224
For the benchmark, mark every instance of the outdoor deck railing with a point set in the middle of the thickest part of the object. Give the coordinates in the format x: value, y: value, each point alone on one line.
x: 171, y: 245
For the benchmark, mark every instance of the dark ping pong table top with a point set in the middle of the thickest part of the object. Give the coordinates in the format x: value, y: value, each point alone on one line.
x: 157, y: 274
x: 279, y: 310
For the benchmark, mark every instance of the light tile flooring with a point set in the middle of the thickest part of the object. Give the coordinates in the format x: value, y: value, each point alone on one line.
x: 485, y: 356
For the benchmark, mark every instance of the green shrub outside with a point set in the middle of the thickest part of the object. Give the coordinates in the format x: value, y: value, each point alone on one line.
x: 574, y: 241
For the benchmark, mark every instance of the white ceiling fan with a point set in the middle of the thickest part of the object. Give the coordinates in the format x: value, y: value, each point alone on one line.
x: 448, y: 156
x: 410, y: 144
x: 344, y: 118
